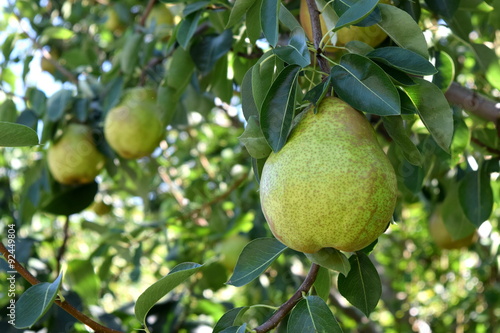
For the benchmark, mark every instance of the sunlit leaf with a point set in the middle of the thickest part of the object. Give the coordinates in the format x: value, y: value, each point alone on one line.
x: 255, y: 258
x: 16, y: 135
x: 476, y: 196
x: 365, y: 86
x: 312, y: 315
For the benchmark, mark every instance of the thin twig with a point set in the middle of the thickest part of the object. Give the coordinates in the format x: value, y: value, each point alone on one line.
x: 98, y: 328
x: 146, y: 12
x: 317, y: 35
x: 62, y: 249
x: 286, y: 307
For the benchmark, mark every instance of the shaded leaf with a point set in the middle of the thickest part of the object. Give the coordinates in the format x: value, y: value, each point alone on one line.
x: 162, y: 287
x: 239, y: 9
x: 35, y: 302
x: 129, y: 55
x: 278, y: 108
x: 444, y: 8
x: 434, y: 111
x: 255, y: 258
x: 476, y: 196
x: 247, y: 100
x: 362, y: 286
x: 395, y: 127
x: 330, y: 258
x: 312, y: 315
x: 57, y: 104
x: 254, y: 139
x: 229, y: 319
x: 67, y: 200
x: 403, y: 59
x: 16, y: 135
x: 287, y: 18
x: 365, y: 86
x: 402, y: 29
x: 323, y: 283
x: 446, y: 70
x: 253, y: 21
x: 296, y: 53
x: 269, y: 14
x: 187, y: 28
x: 316, y: 94
x: 351, y: 14
x: 211, y: 48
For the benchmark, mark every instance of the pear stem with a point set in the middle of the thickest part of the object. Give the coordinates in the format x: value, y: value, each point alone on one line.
x: 317, y: 35
x: 286, y: 307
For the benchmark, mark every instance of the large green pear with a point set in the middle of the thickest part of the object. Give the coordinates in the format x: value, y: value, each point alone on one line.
x: 331, y: 185
x: 74, y: 158
x: 134, y: 127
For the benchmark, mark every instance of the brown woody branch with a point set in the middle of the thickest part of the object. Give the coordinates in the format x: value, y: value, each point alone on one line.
x: 317, y: 35
x: 146, y: 12
x: 286, y: 307
x: 98, y: 328
x: 473, y: 102
x: 62, y: 249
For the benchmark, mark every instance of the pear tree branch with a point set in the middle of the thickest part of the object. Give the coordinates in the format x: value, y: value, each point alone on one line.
x: 286, y: 307
x: 98, y: 328
x: 317, y: 35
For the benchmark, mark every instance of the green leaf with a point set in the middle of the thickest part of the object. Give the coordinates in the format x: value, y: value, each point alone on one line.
x: 269, y: 14
x: 434, y: 111
x: 57, y: 104
x: 461, y: 140
x: 254, y: 139
x: 330, y: 258
x: 67, y: 200
x: 82, y: 278
x: 247, y: 100
x: 180, y: 67
x: 402, y: 29
x: 358, y: 47
x: 253, y: 21
x: 446, y: 70
x: 355, y: 13
x: 287, y: 18
x: 316, y: 94
x: 403, y: 59
x: 312, y: 315
x: 8, y: 111
x: 444, y: 8
x: 278, y: 108
x: 130, y: 55
x: 255, y: 258
x: 239, y: 9
x: 401, y: 78
x: 323, y: 283
x: 457, y: 224
x: 296, y: 53
x: 263, y: 74
x: 395, y: 127
x: 187, y: 28
x: 211, y: 48
x: 57, y: 33
x: 476, y: 196
x: 362, y: 286
x: 162, y: 287
x: 16, y: 135
x: 35, y: 302
x: 229, y: 319
x: 365, y: 86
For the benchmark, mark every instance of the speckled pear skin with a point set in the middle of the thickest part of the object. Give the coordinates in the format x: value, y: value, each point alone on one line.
x: 331, y: 185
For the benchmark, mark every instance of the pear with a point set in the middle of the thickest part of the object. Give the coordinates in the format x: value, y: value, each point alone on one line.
x: 74, y: 158
x: 163, y: 19
x: 134, y: 127
x: 331, y: 185
x: 372, y: 35
x: 442, y: 236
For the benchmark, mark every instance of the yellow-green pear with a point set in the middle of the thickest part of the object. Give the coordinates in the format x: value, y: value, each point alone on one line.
x: 442, y: 236
x: 163, y: 19
x: 134, y: 127
x: 372, y: 35
x: 74, y: 158
x: 331, y: 185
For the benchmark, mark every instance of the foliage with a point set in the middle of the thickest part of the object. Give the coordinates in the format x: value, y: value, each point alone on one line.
x: 232, y: 79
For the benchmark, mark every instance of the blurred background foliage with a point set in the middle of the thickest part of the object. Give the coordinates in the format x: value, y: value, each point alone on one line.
x: 195, y: 199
